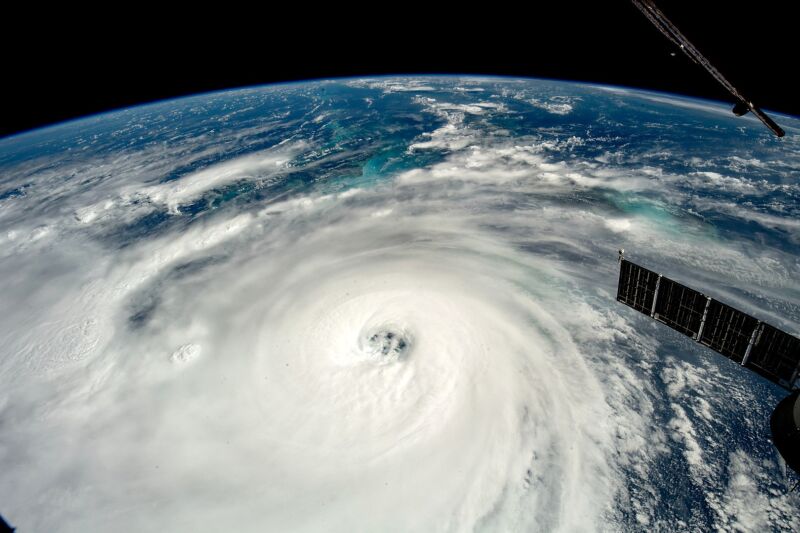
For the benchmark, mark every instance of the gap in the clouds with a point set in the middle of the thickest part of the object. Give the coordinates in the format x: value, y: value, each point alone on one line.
x: 707, y: 402
x: 143, y: 309
x: 344, y: 158
x: 148, y: 226
x: 733, y: 228
x: 16, y: 192
x: 561, y: 251
x: 381, y: 168
x: 144, y: 304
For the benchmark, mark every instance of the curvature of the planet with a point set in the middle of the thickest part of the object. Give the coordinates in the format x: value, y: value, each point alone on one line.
x: 388, y: 305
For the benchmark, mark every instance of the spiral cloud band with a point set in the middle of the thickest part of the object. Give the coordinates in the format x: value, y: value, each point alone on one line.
x: 432, y: 346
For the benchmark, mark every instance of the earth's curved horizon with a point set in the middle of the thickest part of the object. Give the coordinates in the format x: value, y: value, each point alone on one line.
x: 387, y: 304
x: 377, y: 77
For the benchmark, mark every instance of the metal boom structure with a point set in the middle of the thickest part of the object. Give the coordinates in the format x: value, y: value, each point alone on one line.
x: 665, y: 26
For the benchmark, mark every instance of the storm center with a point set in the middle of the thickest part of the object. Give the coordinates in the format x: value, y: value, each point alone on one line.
x: 386, y: 343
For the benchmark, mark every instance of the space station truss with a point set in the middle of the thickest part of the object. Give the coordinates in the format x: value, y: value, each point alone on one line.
x: 738, y: 336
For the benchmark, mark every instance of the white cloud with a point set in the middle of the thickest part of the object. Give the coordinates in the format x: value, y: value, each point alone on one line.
x: 258, y: 166
x: 556, y: 107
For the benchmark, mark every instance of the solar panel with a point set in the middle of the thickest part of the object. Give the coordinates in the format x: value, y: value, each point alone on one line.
x: 776, y: 356
x: 764, y: 349
x: 728, y: 331
x: 680, y: 307
x: 637, y: 286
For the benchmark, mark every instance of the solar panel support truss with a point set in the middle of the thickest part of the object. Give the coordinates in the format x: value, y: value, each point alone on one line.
x: 754, y: 344
x: 671, y: 32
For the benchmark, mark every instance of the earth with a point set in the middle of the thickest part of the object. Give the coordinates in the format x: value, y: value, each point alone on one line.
x: 388, y: 304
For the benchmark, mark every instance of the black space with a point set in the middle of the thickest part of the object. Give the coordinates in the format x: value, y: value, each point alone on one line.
x: 76, y: 64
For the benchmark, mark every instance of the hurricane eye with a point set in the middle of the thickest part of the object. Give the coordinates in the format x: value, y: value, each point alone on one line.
x: 387, y: 344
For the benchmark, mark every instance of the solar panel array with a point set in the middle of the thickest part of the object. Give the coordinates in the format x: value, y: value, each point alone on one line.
x: 750, y: 342
x: 680, y: 307
x: 728, y: 331
x: 637, y: 286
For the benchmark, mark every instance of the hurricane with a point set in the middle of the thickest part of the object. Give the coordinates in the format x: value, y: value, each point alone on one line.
x: 389, y: 305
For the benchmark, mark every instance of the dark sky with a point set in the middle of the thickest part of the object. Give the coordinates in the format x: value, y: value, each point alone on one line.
x: 76, y: 64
